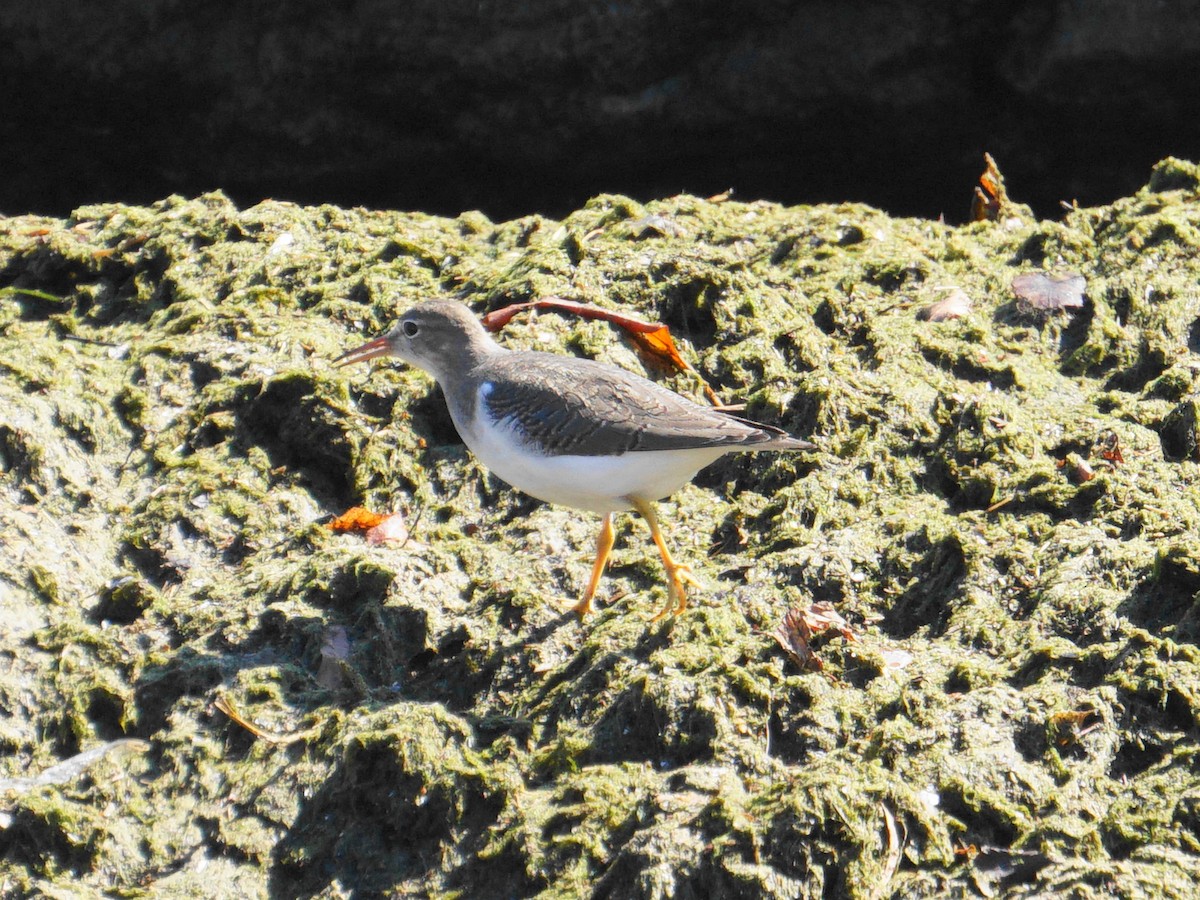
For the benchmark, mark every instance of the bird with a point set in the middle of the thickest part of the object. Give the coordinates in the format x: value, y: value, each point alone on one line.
x: 570, y: 431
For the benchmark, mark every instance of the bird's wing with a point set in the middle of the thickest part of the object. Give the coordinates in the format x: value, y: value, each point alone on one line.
x: 569, y: 406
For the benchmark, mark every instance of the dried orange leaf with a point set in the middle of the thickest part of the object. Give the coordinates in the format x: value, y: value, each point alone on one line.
x: 660, y: 346
x: 1110, y: 449
x: 356, y: 518
x: 989, y: 194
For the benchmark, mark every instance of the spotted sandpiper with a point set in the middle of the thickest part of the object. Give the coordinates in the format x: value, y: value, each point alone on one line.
x: 571, y: 431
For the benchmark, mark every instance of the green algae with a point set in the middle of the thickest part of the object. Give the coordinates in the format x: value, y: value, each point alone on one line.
x: 172, y: 436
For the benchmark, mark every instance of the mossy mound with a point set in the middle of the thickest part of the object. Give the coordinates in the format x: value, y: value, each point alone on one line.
x: 1005, y: 511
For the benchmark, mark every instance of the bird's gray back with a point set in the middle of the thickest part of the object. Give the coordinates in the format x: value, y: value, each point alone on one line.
x: 568, y: 406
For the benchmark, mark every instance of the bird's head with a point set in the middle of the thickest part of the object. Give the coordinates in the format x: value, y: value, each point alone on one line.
x: 439, y: 336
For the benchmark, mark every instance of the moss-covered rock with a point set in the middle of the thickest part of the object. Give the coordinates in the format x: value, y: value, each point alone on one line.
x: 1005, y: 512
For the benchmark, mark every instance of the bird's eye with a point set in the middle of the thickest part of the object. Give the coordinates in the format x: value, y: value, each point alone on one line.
x: 410, y: 328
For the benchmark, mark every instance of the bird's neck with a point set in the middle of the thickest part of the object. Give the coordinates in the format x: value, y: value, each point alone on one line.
x: 480, y: 348
x: 459, y: 385
x: 449, y: 366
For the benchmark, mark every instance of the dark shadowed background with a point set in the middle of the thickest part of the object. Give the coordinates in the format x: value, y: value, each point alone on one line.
x: 531, y: 106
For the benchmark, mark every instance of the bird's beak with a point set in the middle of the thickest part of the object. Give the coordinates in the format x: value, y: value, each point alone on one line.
x: 369, y: 350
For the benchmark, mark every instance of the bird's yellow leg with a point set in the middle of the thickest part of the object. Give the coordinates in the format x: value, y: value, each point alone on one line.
x: 678, y: 574
x: 604, y: 545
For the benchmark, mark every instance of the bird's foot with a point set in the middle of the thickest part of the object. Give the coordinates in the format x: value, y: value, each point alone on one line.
x: 677, y: 576
x: 583, y: 607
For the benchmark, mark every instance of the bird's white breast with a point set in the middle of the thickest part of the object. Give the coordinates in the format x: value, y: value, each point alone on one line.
x: 597, y: 483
